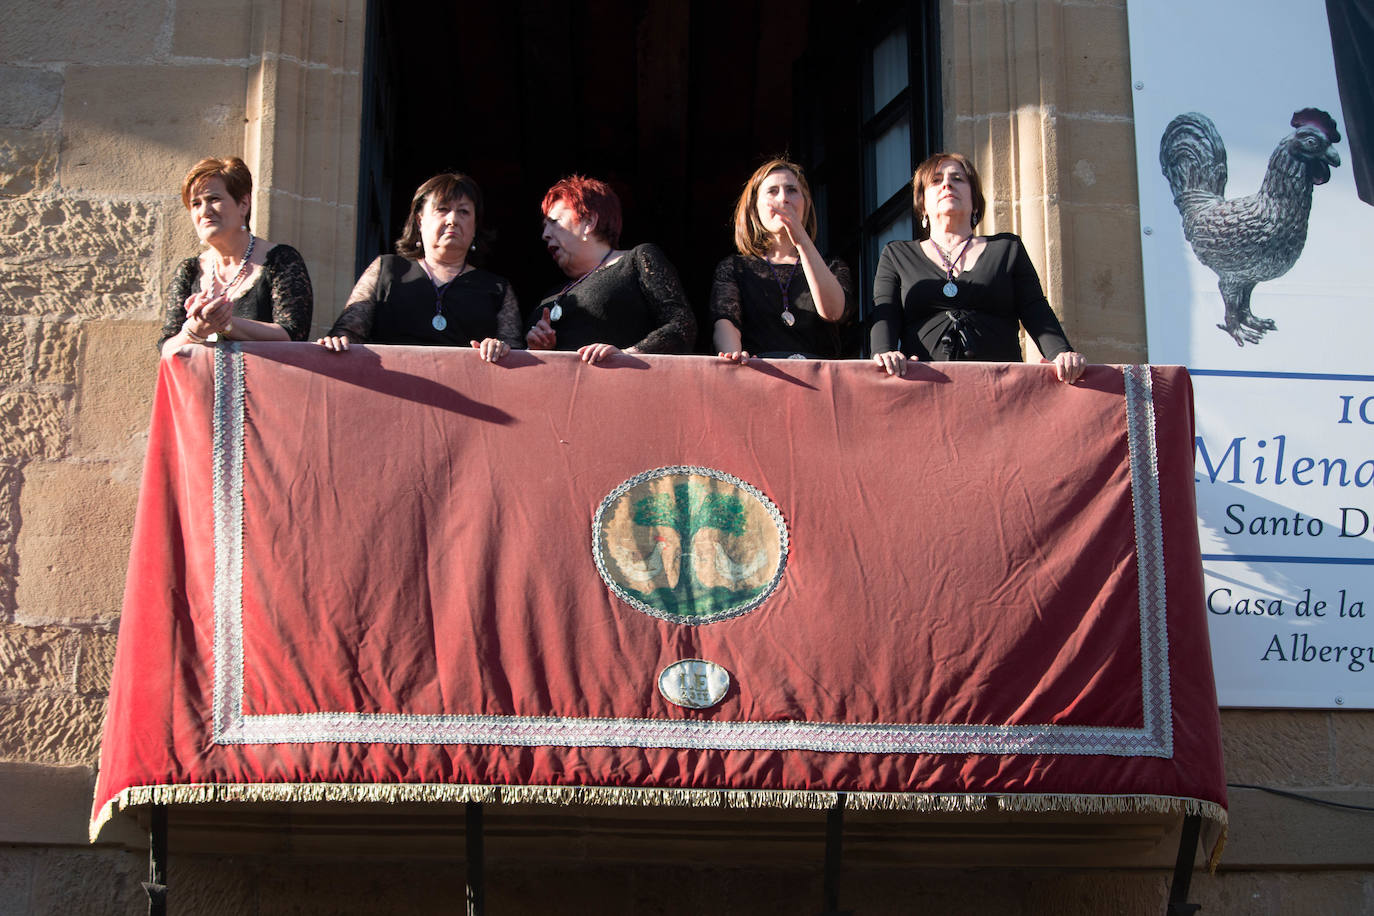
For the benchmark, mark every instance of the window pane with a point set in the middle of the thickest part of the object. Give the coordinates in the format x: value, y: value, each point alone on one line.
x: 890, y: 69
x: 891, y: 161
x: 899, y: 230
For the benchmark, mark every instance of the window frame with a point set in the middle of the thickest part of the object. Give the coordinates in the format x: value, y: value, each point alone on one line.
x: 918, y: 101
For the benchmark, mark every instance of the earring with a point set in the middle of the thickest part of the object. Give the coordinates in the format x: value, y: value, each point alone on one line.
x: 472, y: 247
x: 925, y: 221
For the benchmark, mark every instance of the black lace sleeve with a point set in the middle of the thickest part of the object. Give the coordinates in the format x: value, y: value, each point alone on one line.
x: 355, y: 322
x: 725, y: 298
x: 508, y: 324
x: 293, y: 298
x: 846, y: 280
x: 676, y: 326
x: 181, y: 287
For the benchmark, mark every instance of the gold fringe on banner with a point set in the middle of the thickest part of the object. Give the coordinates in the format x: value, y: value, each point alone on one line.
x: 212, y: 793
x: 397, y: 793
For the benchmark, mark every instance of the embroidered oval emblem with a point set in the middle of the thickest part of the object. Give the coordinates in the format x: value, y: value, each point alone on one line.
x: 694, y: 683
x: 689, y: 544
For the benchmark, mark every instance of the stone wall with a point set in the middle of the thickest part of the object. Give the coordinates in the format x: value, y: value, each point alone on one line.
x: 103, y: 107
x: 1038, y: 93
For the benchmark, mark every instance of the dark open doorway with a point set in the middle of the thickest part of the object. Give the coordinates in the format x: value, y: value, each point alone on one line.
x: 672, y: 102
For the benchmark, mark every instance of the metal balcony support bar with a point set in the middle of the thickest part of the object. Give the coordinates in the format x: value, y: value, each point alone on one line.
x: 1183, y: 868
x: 476, y: 854
x: 834, y: 854
x: 156, y: 885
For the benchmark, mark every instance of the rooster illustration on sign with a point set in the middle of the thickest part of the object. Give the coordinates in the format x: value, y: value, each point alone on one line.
x: 1247, y: 240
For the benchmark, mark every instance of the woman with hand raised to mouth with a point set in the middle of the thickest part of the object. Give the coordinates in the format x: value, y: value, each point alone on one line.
x: 616, y: 300
x: 778, y: 297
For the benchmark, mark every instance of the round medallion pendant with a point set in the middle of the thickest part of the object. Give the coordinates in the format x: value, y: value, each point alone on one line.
x: 556, y: 312
x: 689, y: 544
x: 788, y: 318
x: 950, y: 290
x: 439, y: 322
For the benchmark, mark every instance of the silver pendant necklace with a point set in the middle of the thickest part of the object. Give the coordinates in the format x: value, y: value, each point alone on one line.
x: 787, y: 317
x: 439, y: 322
x: 556, y: 312
x: 951, y: 289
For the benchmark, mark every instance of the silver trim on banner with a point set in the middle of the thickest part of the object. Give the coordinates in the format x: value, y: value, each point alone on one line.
x: 233, y: 726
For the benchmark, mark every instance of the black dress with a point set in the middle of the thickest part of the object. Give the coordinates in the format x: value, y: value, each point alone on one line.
x: 393, y: 302
x: 281, y: 294
x: 748, y: 294
x: 999, y: 292
x: 636, y: 301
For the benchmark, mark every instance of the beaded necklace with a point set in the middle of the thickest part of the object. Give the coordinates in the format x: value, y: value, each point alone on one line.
x: 243, y: 268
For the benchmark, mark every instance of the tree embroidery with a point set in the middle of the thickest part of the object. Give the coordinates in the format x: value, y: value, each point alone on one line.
x: 700, y: 549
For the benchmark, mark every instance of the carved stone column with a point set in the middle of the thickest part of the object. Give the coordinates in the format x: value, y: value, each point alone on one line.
x: 302, y: 125
x: 1037, y: 92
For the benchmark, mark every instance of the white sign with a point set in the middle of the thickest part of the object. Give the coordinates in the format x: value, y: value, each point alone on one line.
x: 1255, y: 247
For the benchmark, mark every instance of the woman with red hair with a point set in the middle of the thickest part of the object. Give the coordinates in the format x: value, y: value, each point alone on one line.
x: 616, y: 300
x: 778, y: 298
x: 240, y: 287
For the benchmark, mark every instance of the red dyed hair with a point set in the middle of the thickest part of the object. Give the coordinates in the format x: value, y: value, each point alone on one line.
x: 591, y: 199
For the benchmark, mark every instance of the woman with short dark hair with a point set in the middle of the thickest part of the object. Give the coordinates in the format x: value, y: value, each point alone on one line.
x: 615, y: 300
x: 240, y: 287
x: 953, y: 295
x: 430, y: 293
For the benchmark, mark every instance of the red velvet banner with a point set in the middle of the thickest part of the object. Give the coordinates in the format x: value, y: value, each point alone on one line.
x: 404, y: 573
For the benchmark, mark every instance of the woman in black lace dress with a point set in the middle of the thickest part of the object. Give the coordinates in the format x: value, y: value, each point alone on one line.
x: 429, y: 293
x: 778, y: 297
x: 241, y: 287
x: 616, y: 300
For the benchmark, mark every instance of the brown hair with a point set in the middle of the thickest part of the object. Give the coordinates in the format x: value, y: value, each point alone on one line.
x: 925, y: 174
x: 446, y: 186
x: 750, y: 236
x: 238, y: 180
x: 588, y: 198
